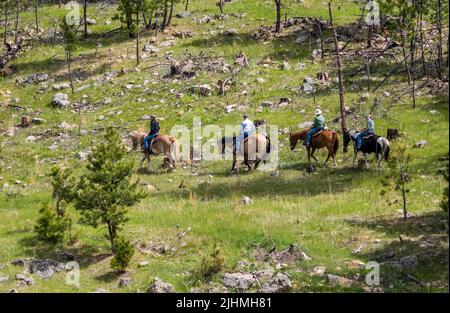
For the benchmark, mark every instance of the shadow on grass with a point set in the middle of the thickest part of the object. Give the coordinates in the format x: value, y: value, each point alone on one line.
x: 424, y: 236
x: 85, y: 255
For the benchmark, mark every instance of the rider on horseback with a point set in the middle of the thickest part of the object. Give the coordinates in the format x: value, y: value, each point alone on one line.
x: 369, y: 130
x: 247, y: 128
x: 319, y: 125
x: 154, y: 131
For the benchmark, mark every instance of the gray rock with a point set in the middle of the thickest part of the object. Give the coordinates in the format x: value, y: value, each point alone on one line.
x: 305, y: 125
x: 23, y: 280
x: 246, y: 200
x: 150, y: 48
x: 184, y: 14
x: 90, y: 21
x: 45, y: 268
x: 60, y: 100
x: 100, y: 290
x: 38, y: 120
x: 159, y: 286
x: 4, y: 279
x: 319, y: 271
x: 83, y: 155
x: 264, y: 273
x: 124, y: 281
x: 167, y: 43
x: 409, y: 262
x: 339, y: 280
x: 239, y: 281
x: 421, y: 144
x: 302, y: 38
x: 279, y: 283
x: 61, y: 86
x: 143, y: 264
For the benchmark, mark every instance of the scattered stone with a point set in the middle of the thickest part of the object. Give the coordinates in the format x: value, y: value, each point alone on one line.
x: 239, y: 281
x: 285, y: 66
x: 279, y: 283
x: 167, y: 43
x: 319, y: 271
x: 4, y: 279
x: 264, y: 274
x: 260, y: 80
x: 184, y: 14
x: 67, y: 126
x: 305, y: 125
x: 124, y: 281
x: 421, y: 144
x: 409, y: 262
x: 339, y: 280
x: 38, y: 120
x: 100, y: 290
x: 302, y: 38
x: 83, y: 155
x: 150, y: 48
x: 90, y: 21
x: 246, y: 200
x: 434, y: 112
x: 53, y: 147
x: 290, y: 255
x: 203, y: 90
x: 45, y: 268
x: 23, y: 280
x: 31, y: 139
x: 151, y: 188
x: 241, y: 59
x: 60, y: 100
x: 143, y: 264
x: 10, y: 131
x: 386, y: 93
x: 159, y: 286
x: 61, y: 86
x: 275, y: 174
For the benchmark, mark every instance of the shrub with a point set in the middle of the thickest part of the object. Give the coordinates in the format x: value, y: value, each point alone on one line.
x: 209, y: 266
x: 51, y: 227
x: 124, y: 251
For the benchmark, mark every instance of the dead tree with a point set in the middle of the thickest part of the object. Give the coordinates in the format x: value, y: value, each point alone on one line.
x: 85, y: 18
x: 5, y: 36
x: 16, y: 26
x: 278, y: 22
x: 439, y: 29
x: 10, y: 53
x: 340, y: 74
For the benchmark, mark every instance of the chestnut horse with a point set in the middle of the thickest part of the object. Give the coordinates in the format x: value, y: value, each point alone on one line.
x: 326, y: 138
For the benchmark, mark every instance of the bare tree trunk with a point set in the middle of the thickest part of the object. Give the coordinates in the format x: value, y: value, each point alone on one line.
x: 187, y: 5
x: 111, y: 234
x: 85, y: 18
x: 322, y: 48
x: 156, y: 22
x: 340, y: 74
x: 439, y: 28
x: 409, y: 71
x: 422, y: 50
x: 16, y: 27
x: 59, y: 4
x: 137, y: 37
x: 278, y: 22
x: 405, y: 212
x: 5, y: 36
x: 170, y: 13
x: 369, y: 36
x: 69, y: 61
x: 36, y: 19
x: 166, y: 13
x: 368, y: 71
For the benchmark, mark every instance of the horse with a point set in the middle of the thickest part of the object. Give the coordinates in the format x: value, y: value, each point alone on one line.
x: 325, y: 138
x: 162, y: 144
x: 371, y: 144
x: 255, y: 148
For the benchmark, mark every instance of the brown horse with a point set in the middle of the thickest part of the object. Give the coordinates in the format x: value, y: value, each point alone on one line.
x: 165, y: 144
x: 326, y: 138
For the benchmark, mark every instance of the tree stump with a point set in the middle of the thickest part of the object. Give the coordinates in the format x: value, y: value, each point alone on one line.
x: 392, y: 134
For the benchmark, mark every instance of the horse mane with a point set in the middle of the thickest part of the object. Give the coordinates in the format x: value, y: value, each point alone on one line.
x: 299, y: 133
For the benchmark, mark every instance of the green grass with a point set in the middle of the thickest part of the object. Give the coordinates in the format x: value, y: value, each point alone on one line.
x: 327, y: 214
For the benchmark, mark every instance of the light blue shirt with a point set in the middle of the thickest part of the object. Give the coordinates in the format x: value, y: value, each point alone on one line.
x: 370, y: 125
x: 247, y: 126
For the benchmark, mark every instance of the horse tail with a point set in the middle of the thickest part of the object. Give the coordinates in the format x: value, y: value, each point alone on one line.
x: 387, y: 149
x: 174, y: 149
x: 336, y: 143
x: 268, y: 144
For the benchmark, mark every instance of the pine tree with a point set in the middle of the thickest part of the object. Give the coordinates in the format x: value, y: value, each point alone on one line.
x: 106, y: 191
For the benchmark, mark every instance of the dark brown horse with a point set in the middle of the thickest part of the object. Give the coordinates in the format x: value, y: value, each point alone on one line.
x: 326, y: 138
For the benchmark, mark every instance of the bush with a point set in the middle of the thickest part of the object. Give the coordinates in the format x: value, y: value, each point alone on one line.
x: 124, y: 251
x: 50, y: 227
x: 209, y: 266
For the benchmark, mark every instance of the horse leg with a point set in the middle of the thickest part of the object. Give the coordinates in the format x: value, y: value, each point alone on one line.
x: 258, y: 160
x: 354, y: 157
x: 312, y: 155
x: 330, y: 152
x: 380, y: 157
x: 149, y: 163
x: 234, y: 162
x: 365, y: 160
x: 246, y: 161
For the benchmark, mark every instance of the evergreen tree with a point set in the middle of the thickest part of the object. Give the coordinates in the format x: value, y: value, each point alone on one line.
x: 106, y: 191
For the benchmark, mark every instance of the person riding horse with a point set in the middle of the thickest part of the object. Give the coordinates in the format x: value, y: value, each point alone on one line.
x: 154, y: 131
x: 247, y: 128
x: 318, y: 125
x: 369, y: 130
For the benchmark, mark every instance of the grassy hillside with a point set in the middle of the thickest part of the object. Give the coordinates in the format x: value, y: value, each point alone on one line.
x: 336, y: 215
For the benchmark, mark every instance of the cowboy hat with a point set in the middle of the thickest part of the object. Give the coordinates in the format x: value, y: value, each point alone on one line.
x: 318, y: 111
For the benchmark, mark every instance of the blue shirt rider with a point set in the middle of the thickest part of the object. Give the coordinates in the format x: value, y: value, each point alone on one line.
x: 154, y: 131
x: 370, y: 129
x: 247, y: 128
x: 318, y: 125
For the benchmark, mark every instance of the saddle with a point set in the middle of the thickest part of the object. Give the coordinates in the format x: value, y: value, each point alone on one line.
x: 368, y: 136
x: 318, y: 133
x: 154, y: 140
